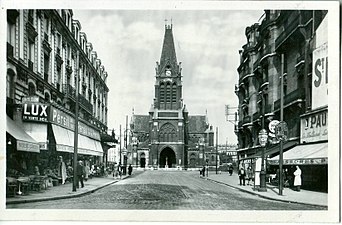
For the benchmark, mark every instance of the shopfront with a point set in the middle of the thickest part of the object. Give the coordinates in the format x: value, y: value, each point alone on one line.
x: 44, y: 134
x: 22, y: 150
x: 312, y: 154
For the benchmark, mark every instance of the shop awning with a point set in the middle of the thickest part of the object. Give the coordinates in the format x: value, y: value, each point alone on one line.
x: 64, y: 139
x: 89, y: 146
x: 304, y: 155
x: 24, y: 141
x: 271, y: 151
x: 38, y: 131
x: 65, y: 142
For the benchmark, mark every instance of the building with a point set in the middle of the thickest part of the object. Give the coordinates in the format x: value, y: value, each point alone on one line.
x: 47, y: 53
x: 289, y: 45
x: 169, y: 137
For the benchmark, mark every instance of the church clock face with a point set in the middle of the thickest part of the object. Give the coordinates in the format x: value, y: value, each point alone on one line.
x: 168, y: 72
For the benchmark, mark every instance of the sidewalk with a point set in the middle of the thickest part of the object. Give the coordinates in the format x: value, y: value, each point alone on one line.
x: 289, y: 195
x: 63, y: 191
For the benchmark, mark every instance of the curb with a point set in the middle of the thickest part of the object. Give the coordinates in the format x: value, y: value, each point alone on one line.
x: 266, y: 197
x: 19, y: 201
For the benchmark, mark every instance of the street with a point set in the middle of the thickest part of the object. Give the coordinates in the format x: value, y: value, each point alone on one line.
x: 167, y: 190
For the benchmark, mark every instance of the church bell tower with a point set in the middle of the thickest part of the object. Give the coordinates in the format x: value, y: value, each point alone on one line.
x: 167, y: 112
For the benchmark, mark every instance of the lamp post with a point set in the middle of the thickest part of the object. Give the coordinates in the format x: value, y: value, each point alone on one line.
x: 263, y: 140
x: 135, y: 148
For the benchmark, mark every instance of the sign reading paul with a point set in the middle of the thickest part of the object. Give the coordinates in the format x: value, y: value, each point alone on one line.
x: 320, y: 67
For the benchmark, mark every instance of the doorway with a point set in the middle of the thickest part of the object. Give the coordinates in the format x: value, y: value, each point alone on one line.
x: 167, y: 158
x: 142, y: 160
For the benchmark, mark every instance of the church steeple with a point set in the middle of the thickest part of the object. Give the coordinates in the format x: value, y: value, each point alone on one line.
x: 168, y: 86
x: 168, y: 55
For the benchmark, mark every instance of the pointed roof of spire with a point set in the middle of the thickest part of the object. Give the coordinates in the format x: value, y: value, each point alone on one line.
x: 168, y: 55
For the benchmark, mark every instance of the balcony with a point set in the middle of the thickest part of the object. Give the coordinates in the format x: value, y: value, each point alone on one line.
x: 59, y: 59
x: 9, y: 50
x: 70, y: 92
x: 256, y: 116
x: 246, y: 119
x: 31, y: 30
x: 46, y: 43
x: 291, y: 28
x: 85, y: 103
x: 291, y: 98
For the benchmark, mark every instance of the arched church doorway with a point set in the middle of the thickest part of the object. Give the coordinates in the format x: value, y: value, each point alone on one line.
x: 192, y: 160
x: 167, y: 158
x: 142, y: 160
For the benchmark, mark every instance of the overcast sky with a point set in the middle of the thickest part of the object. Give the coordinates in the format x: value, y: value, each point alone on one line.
x: 129, y: 43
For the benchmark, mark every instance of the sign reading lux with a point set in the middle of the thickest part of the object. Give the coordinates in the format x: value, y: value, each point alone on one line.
x: 35, y: 112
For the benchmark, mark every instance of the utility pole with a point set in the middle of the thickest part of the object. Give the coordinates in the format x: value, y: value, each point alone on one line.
x: 226, y: 150
x: 120, y: 146
x: 281, y: 120
x: 74, y: 184
x: 126, y: 134
x: 216, y: 148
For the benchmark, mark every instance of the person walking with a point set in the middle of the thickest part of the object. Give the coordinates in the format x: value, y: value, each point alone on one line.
x: 80, y: 174
x: 297, y: 178
x: 62, y: 171
x: 242, y: 176
x: 230, y: 170
x: 203, y: 171
x: 249, y: 175
x: 130, y: 169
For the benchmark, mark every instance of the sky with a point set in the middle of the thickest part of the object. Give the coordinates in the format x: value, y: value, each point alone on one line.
x: 207, y: 42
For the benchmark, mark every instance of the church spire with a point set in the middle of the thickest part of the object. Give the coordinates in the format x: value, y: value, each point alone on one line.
x: 168, y: 55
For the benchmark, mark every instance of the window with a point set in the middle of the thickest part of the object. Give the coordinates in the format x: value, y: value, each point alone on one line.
x: 162, y: 93
x: 174, y: 93
x: 10, y: 84
x: 46, y: 67
x: 11, y: 33
x: 168, y: 93
x: 31, y: 54
x: 31, y: 89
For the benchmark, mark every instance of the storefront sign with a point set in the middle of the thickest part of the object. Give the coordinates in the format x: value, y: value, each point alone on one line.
x: 35, y: 112
x: 62, y: 119
x: 27, y: 147
x: 319, y: 161
x: 320, y: 68
x: 314, y: 127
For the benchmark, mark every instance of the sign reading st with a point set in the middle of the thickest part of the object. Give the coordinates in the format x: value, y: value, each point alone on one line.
x: 35, y: 112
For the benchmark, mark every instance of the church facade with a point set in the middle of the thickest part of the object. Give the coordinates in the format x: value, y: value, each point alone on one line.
x: 168, y: 137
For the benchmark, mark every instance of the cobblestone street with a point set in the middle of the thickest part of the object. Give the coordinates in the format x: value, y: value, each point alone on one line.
x: 167, y: 190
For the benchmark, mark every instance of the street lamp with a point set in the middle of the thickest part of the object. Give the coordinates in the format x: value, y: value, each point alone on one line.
x: 263, y: 140
x: 135, y: 143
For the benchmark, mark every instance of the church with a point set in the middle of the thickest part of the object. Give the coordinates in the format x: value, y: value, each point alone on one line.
x: 168, y: 137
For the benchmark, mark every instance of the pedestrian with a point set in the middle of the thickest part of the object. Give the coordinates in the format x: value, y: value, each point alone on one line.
x: 249, y: 175
x: 203, y: 171
x: 242, y: 176
x: 62, y: 171
x: 230, y: 170
x: 80, y: 173
x: 130, y: 168
x: 87, y: 172
x: 119, y: 170
x: 297, y: 179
